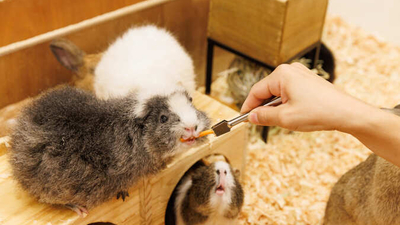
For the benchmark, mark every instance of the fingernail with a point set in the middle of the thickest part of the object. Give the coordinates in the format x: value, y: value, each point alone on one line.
x: 253, y: 117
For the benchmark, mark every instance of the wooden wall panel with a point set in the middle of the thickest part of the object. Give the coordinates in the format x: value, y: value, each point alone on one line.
x: 253, y: 27
x: 271, y: 31
x: 22, y: 19
x: 28, y: 71
x: 302, y: 29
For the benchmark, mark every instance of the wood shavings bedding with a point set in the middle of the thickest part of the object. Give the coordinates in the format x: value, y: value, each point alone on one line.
x: 288, y: 180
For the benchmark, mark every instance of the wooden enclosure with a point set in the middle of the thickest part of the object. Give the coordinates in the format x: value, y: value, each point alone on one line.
x: 270, y: 31
x: 148, y: 199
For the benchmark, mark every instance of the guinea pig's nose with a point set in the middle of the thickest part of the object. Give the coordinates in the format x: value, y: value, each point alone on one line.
x: 190, y: 129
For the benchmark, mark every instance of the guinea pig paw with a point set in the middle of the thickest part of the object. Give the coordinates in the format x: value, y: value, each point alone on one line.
x: 81, y: 211
x: 123, y: 195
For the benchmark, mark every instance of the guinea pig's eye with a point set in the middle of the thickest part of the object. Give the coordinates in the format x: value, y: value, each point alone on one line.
x: 225, y: 172
x: 190, y: 99
x: 163, y: 118
x: 217, y: 172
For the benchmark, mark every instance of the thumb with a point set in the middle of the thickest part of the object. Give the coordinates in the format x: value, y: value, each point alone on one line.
x: 265, y: 116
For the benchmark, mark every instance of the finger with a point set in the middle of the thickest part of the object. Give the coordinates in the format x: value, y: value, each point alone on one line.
x: 258, y: 93
x: 265, y: 116
x: 299, y: 66
x: 264, y: 89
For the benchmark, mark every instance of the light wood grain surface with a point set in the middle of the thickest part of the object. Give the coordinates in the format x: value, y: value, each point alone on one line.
x: 303, y: 27
x: 253, y: 27
x: 22, y: 19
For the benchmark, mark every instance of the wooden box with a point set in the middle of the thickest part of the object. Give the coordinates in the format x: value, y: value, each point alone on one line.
x: 270, y: 31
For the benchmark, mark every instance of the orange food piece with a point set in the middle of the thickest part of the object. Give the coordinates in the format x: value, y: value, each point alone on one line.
x: 202, y: 134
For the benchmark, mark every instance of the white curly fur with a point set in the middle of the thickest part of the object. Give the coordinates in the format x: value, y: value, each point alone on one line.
x: 147, y: 60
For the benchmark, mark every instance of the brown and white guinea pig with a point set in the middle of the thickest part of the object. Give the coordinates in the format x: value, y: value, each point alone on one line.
x: 209, y: 195
x: 368, y: 194
x: 71, y: 148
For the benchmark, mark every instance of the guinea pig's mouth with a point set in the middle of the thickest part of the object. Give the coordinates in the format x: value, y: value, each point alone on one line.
x: 220, y: 189
x: 188, y: 140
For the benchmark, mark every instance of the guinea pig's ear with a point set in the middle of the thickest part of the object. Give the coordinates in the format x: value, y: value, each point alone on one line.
x: 68, y: 54
x: 205, y: 161
x: 236, y: 173
x: 145, y: 115
x: 213, y: 158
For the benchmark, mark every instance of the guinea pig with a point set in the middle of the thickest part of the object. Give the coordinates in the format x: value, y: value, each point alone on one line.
x: 145, y: 58
x: 327, y: 60
x: 142, y: 58
x: 209, y: 195
x: 367, y: 194
x: 71, y: 148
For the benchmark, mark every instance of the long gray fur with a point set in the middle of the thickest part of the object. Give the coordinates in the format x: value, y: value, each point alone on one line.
x: 71, y: 148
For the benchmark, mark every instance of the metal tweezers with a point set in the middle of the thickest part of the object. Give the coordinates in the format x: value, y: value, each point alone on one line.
x: 225, y: 126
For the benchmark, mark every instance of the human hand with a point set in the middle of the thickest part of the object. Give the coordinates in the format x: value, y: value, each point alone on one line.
x: 309, y: 102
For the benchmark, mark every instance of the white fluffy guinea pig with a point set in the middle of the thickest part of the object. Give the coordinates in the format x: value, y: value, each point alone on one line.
x: 149, y: 61
x: 145, y: 58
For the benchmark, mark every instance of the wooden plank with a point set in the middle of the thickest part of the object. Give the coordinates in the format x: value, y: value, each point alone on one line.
x: 253, y: 27
x: 303, y: 26
x: 32, y: 69
x: 22, y: 19
x: 148, y: 198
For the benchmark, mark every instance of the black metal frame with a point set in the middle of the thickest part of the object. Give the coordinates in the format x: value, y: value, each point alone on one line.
x: 314, y: 48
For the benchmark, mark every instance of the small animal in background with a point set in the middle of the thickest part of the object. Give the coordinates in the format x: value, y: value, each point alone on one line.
x: 209, y: 194
x: 71, y: 57
x: 246, y: 73
x: 75, y: 59
x: 71, y: 148
x: 325, y: 64
x: 367, y: 194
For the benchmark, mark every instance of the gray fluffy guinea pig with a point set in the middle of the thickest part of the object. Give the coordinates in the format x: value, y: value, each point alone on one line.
x: 209, y: 195
x: 368, y: 194
x: 71, y: 148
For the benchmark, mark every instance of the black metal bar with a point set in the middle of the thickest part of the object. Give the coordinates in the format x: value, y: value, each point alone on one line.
x: 314, y: 55
x: 210, y: 56
x: 264, y: 133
